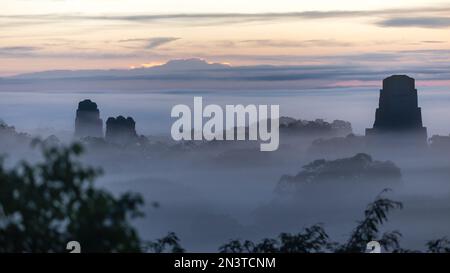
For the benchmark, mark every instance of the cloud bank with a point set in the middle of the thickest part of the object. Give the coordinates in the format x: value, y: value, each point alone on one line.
x: 393, y: 17
x: 423, y: 22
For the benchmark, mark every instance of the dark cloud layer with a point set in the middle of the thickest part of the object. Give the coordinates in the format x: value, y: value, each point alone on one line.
x: 423, y: 22
x: 393, y: 17
x: 292, y: 43
x: 18, y: 51
x: 346, y: 68
x: 159, y: 41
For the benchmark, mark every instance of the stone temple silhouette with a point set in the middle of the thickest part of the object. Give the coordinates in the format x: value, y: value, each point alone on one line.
x: 87, y: 121
x: 120, y: 130
x: 398, y: 116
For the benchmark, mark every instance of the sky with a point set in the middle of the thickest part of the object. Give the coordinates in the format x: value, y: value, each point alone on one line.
x: 39, y: 35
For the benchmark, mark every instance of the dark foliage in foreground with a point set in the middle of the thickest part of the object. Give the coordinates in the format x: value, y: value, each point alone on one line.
x: 45, y: 205
x: 315, y: 239
x: 168, y: 244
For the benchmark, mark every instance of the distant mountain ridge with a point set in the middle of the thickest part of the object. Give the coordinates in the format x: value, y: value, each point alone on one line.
x: 176, y: 65
x: 199, y: 74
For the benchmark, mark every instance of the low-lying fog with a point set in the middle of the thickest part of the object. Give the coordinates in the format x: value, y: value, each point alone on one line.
x: 210, y: 194
x: 47, y: 112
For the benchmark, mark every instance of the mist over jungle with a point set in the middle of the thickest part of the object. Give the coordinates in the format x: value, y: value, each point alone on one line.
x: 211, y: 192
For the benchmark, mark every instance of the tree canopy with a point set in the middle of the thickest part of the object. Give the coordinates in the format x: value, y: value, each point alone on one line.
x: 46, y: 204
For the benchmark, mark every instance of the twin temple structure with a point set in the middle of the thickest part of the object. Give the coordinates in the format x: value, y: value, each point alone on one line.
x: 398, y: 118
x: 89, y: 124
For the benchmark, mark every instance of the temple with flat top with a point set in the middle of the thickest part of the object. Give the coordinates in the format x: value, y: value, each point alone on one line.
x: 398, y: 116
x: 88, y: 122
